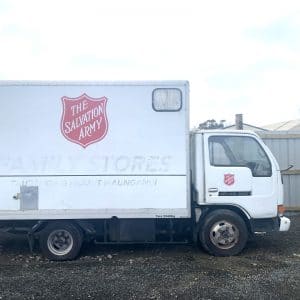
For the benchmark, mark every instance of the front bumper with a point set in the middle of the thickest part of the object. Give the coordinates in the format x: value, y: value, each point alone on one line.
x: 270, y: 224
x: 285, y: 224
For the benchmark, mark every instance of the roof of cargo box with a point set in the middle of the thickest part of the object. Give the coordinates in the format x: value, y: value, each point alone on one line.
x: 90, y: 82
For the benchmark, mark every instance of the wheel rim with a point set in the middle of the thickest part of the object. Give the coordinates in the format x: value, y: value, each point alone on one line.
x: 60, y: 242
x: 224, y: 235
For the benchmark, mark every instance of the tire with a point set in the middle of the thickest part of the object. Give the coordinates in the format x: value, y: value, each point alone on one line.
x: 61, y: 241
x: 223, y: 233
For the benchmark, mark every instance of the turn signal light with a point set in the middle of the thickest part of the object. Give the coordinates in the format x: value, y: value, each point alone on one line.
x: 280, y: 209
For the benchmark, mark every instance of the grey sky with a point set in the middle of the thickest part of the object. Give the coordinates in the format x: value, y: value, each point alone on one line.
x: 239, y: 56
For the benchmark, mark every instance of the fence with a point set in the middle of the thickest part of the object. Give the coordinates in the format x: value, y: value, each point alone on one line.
x: 285, y: 145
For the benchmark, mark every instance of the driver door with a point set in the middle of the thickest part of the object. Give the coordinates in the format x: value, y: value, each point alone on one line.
x: 238, y: 171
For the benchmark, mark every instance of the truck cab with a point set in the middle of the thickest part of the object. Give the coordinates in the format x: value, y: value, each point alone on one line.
x: 236, y: 180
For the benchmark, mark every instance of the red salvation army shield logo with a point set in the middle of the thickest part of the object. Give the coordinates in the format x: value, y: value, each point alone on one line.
x: 229, y: 179
x: 84, y: 119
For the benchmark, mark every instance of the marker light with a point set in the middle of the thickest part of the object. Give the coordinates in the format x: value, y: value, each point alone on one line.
x: 280, y: 209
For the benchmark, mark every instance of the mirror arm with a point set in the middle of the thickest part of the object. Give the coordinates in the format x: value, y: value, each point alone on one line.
x: 285, y: 170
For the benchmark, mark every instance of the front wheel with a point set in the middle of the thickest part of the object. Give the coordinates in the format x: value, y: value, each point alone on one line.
x: 61, y: 241
x: 223, y: 233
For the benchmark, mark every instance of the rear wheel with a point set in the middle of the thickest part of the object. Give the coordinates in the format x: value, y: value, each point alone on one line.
x: 223, y: 233
x: 61, y: 241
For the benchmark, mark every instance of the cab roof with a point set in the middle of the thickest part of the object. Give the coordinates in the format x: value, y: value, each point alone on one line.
x: 224, y: 132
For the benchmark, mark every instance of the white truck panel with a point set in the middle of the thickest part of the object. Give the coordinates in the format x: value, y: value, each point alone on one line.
x: 32, y: 142
x: 109, y: 196
x: 139, y: 168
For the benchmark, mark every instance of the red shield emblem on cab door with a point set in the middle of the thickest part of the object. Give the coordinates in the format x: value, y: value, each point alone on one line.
x: 84, y: 119
x: 229, y: 179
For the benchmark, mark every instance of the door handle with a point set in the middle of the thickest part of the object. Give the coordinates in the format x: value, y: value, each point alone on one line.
x: 212, y: 190
x: 16, y: 196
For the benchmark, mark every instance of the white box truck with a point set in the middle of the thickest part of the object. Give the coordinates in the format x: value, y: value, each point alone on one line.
x: 115, y: 162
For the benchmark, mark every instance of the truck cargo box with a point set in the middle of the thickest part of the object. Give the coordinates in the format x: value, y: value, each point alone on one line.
x: 94, y: 150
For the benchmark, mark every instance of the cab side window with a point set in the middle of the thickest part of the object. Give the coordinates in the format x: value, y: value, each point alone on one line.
x: 239, y: 151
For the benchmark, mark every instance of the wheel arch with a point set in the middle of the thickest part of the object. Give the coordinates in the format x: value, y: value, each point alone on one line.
x: 208, y: 208
x: 84, y: 226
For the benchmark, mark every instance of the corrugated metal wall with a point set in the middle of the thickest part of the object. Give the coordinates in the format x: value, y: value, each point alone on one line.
x: 285, y: 145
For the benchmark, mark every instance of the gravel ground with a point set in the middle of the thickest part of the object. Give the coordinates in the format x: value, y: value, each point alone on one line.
x: 269, y: 268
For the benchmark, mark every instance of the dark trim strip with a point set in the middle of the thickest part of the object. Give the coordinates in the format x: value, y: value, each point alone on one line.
x: 235, y: 193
